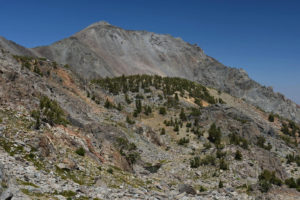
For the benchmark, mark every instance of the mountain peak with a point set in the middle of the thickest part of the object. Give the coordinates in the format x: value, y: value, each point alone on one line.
x: 100, y: 23
x: 107, y: 51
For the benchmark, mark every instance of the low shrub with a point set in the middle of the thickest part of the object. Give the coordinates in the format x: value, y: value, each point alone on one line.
x: 183, y: 141
x: 80, y: 151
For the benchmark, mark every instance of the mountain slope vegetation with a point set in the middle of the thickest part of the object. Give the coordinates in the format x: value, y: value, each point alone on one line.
x: 136, y: 137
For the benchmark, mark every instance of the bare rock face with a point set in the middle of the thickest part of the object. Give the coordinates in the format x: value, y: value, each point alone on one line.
x: 14, y: 48
x: 186, y: 188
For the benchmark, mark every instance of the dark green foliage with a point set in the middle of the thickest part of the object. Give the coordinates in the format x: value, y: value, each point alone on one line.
x: 148, y: 110
x: 128, y: 150
x: 290, y: 141
x: 221, y: 101
x: 208, y: 160
x: 195, y: 162
x: 129, y: 121
x: 67, y: 66
x: 135, y: 113
x: 25, y: 61
x: 139, y: 96
x: 298, y: 182
x: 80, y: 151
x: 162, y: 111
x: 220, y: 154
x: 183, y: 141
x: 147, y: 90
x: 220, y: 184
x: 265, y: 186
x: 176, y: 128
x: 110, y: 170
x: 128, y: 101
x: 182, y: 115
x: 123, y: 143
x: 163, y: 131
x: 197, y: 132
x: 153, y: 168
x: 266, y: 179
x: 54, y: 65
x: 189, y: 125
x: 285, y: 129
x: 23, y: 58
x: 207, y: 145
x: 195, y: 112
x: 223, y: 164
x: 160, y: 97
x: 37, y: 70
x: 271, y: 117
x: 238, y: 155
x: 214, y: 134
x: 244, y: 144
x: 291, y: 183
x: 198, y: 102
x: 169, y: 85
x: 202, y: 188
x: 132, y: 157
x: 37, y: 116
x: 292, y: 158
x: 108, y: 104
x: 268, y: 147
x: 290, y: 129
x: 68, y: 194
x: 238, y: 140
x: 51, y: 112
x: 176, y: 97
x: 138, y: 105
x: 119, y: 107
x: 30, y: 63
x: 261, y: 143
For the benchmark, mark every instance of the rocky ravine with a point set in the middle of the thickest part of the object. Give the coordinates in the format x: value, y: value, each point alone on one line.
x: 64, y: 138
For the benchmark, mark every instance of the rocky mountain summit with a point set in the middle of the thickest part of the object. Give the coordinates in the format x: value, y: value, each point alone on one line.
x: 106, y: 50
x: 78, y: 122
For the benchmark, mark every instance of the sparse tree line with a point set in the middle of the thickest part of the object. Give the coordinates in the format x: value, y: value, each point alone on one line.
x: 34, y: 64
x: 168, y: 85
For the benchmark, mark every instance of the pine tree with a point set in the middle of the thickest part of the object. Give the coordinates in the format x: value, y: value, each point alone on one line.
x: 238, y: 155
x: 128, y: 101
x: 214, y: 134
x: 119, y: 107
x: 176, y: 97
x: 182, y: 115
x: 220, y: 184
x: 271, y: 117
x: 162, y: 110
x: 138, y: 105
x: 107, y: 104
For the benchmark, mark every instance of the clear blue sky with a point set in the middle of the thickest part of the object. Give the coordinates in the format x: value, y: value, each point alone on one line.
x: 261, y: 36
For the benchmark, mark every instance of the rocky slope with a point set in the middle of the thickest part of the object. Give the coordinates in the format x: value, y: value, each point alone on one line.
x: 14, y: 48
x: 105, y: 50
x: 136, y: 137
